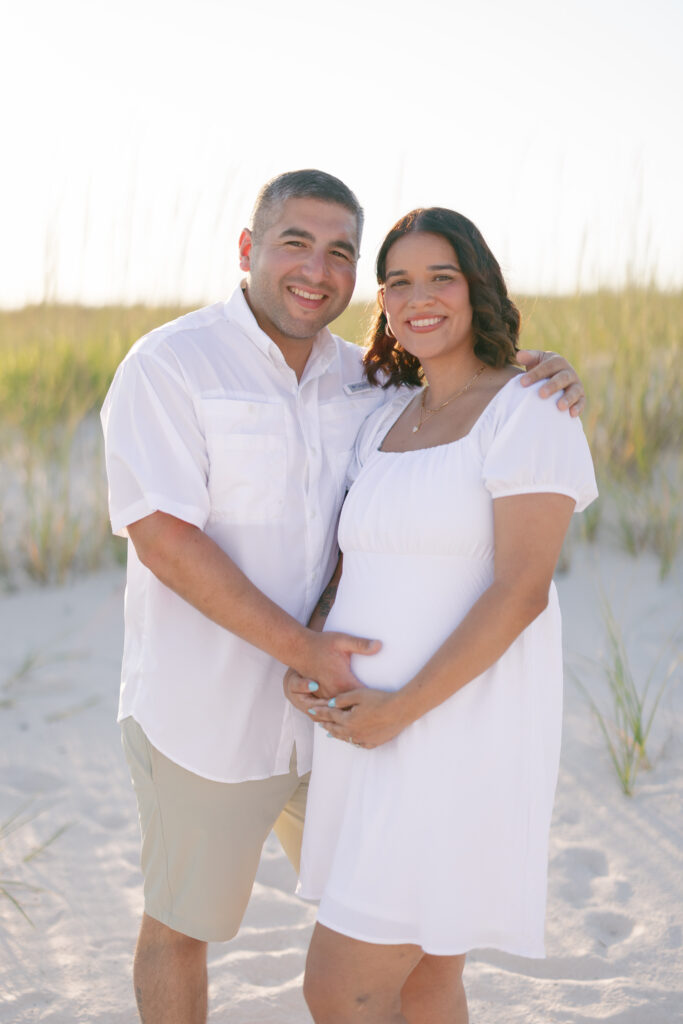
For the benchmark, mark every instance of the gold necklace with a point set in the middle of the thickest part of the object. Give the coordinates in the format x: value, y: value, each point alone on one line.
x: 425, y: 413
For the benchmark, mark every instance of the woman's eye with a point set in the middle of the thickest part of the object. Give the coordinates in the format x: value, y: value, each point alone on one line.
x: 398, y: 283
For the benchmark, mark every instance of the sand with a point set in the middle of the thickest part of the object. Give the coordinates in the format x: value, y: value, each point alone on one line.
x: 615, y: 902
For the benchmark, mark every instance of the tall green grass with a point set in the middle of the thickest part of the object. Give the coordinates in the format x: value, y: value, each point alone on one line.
x: 56, y: 363
x: 626, y: 724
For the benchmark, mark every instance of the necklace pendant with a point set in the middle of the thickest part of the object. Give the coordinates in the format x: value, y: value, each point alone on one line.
x: 415, y: 429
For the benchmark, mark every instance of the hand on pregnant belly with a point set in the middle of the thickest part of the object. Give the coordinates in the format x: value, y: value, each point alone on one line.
x: 364, y: 717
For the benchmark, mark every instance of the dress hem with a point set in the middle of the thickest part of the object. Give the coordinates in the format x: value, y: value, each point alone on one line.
x: 433, y: 950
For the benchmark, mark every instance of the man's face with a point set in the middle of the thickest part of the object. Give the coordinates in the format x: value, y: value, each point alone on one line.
x: 302, y: 270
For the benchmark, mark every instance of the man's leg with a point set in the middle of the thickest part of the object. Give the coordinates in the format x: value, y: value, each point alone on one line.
x: 201, y: 845
x: 169, y: 974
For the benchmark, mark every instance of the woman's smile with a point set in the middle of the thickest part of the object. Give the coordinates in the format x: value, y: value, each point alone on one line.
x: 426, y: 323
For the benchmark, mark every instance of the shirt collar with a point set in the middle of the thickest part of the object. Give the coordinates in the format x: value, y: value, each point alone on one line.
x: 238, y: 312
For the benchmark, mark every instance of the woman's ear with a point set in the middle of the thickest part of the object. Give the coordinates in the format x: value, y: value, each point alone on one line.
x: 380, y: 299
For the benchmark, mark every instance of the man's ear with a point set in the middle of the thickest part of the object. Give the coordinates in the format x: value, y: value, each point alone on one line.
x: 245, y: 249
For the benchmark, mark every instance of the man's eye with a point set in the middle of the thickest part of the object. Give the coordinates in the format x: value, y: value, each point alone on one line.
x: 295, y: 243
x: 340, y: 254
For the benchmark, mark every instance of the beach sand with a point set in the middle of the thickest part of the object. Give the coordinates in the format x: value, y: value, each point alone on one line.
x: 615, y: 900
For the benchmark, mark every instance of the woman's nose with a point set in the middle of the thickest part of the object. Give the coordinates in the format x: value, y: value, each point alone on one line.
x: 420, y: 293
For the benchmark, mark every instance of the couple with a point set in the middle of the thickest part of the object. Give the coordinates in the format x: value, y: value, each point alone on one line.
x: 230, y: 434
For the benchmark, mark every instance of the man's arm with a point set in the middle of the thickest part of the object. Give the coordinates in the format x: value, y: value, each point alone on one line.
x: 560, y: 376
x: 187, y: 561
x: 326, y: 599
x: 303, y: 692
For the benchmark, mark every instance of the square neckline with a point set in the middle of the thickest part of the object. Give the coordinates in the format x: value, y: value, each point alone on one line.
x: 445, y: 444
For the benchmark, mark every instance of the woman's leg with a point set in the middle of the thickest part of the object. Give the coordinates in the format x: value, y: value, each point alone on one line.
x: 347, y: 979
x: 433, y: 992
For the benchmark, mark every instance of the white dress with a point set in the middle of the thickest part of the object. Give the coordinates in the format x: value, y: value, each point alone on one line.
x: 439, y: 837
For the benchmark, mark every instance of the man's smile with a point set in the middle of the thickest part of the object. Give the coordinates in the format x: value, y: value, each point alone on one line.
x: 310, y: 300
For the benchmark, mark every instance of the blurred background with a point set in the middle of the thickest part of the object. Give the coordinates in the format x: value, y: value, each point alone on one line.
x: 138, y: 133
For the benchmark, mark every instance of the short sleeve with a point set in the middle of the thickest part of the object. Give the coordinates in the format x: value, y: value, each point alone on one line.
x: 536, y: 448
x: 154, y: 445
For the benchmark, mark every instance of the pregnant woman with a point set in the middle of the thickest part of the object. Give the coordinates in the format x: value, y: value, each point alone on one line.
x: 432, y: 788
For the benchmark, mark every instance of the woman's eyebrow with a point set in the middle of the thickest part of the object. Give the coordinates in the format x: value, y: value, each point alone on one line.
x: 434, y: 266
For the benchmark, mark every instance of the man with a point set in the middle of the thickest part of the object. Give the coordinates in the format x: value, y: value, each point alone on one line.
x: 228, y: 434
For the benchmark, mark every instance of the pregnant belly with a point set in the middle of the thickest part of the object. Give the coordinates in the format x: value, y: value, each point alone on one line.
x: 411, y: 604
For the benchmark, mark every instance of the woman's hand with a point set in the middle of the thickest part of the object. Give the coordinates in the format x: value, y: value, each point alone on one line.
x: 558, y: 374
x: 302, y: 693
x: 365, y: 718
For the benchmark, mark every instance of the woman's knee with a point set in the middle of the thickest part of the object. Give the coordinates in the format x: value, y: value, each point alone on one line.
x: 320, y: 993
x: 334, y: 996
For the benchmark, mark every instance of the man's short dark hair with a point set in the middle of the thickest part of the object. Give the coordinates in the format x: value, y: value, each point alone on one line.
x: 308, y: 184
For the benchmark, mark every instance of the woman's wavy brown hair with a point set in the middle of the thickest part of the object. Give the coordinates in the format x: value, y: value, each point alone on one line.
x: 495, y: 318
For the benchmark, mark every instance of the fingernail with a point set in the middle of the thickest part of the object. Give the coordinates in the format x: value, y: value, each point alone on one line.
x: 311, y: 711
x: 313, y: 686
x: 332, y: 703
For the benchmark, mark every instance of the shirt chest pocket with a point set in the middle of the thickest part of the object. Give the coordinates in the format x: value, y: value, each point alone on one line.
x: 247, y: 452
x: 339, y: 426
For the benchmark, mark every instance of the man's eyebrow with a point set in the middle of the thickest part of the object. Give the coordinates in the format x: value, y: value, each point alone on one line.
x: 297, y: 233
x: 434, y: 266
x: 301, y: 233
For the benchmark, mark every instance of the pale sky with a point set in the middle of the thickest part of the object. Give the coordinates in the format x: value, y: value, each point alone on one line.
x: 137, y: 133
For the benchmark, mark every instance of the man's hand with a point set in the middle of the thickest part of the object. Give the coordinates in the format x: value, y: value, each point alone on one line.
x: 560, y: 376
x: 327, y: 661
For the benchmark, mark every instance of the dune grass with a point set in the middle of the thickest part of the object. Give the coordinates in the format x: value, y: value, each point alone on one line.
x: 626, y: 716
x: 56, y: 363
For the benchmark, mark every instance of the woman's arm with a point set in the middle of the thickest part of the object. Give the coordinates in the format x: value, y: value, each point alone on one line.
x: 529, y: 530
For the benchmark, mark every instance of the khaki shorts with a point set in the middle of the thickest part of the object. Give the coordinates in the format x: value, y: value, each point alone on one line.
x: 202, y: 840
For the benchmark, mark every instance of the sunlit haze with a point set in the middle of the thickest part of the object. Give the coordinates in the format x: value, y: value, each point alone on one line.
x: 137, y: 134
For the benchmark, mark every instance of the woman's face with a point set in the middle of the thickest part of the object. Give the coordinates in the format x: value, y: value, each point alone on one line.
x: 426, y: 297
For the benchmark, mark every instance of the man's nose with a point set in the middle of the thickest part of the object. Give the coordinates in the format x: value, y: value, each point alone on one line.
x: 316, y: 265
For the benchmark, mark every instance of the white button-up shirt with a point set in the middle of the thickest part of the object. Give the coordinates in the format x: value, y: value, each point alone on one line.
x: 206, y: 421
